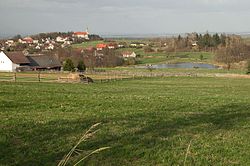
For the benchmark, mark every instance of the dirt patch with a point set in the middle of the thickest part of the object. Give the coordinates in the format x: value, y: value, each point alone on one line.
x: 232, y: 75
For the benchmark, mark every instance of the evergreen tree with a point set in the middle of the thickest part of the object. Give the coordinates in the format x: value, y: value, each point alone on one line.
x: 223, y: 39
x: 81, y: 66
x: 179, y: 38
x: 207, y: 40
x: 68, y: 65
x: 216, y: 40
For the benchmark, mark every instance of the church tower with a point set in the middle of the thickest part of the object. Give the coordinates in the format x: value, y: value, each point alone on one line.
x: 87, y: 30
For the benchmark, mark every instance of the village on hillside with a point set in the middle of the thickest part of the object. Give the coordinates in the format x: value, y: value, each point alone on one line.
x: 75, y: 51
x: 48, y: 51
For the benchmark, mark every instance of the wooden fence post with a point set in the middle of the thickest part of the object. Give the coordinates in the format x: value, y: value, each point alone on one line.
x: 14, y: 77
x: 39, y: 76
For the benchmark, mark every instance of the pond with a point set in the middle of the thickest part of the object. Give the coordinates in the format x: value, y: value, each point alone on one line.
x: 187, y: 65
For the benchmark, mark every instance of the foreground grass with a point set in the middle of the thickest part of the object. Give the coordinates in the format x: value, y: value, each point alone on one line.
x: 145, y: 122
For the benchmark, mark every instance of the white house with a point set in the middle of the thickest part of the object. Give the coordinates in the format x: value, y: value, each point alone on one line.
x: 10, y: 42
x: 121, y: 46
x: 194, y: 44
x: 36, y: 41
x: 49, y: 46
x: 38, y: 47
x: 129, y: 54
x: 133, y: 45
x: 11, y: 61
x: 60, y: 39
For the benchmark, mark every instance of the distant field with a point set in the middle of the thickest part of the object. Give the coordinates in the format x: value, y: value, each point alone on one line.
x: 157, y: 57
x: 145, y: 122
x: 171, y: 57
x: 87, y: 44
x: 247, y: 40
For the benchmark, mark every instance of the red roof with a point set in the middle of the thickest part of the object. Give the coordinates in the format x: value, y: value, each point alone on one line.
x: 28, y: 39
x: 81, y: 33
x: 101, y: 45
x: 113, y: 44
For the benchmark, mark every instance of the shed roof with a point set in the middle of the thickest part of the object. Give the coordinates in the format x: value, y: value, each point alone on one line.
x: 43, y: 61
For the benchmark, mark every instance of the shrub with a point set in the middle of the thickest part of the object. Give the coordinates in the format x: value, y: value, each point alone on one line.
x: 130, y: 61
x: 201, y: 57
x: 148, y: 49
x: 248, y: 66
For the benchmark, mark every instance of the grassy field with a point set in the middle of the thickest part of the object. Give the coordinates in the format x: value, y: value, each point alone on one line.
x: 145, y: 121
x: 87, y: 44
x: 157, y: 57
x: 171, y: 57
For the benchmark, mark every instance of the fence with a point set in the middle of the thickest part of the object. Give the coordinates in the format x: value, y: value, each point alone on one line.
x: 105, y: 76
x: 28, y: 77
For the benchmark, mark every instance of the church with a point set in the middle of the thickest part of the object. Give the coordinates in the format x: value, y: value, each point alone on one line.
x: 82, y: 35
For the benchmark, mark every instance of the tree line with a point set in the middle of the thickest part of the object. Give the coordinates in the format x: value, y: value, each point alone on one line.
x: 228, y: 49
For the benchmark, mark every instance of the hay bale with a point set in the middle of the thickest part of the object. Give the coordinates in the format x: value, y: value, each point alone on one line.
x: 74, y: 76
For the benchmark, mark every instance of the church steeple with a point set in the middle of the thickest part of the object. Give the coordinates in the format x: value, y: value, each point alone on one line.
x: 87, y: 30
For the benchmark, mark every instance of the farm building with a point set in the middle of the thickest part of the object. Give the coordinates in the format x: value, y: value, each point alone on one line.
x: 129, y: 54
x: 44, y: 62
x: 12, y: 61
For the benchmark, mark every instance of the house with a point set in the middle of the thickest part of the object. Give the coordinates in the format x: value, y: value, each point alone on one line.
x: 49, y: 46
x: 129, y: 54
x: 65, y: 44
x: 133, y: 45
x: 101, y: 46
x: 10, y: 43
x: 137, y: 44
x: 36, y: 41
x: 12, y: 61
x: 121, y: 46
x: 27, y: 40
x: 142, y: 44
x: 44, y: 62
x: 82, y: 35
x: 112, y: 46
x: 2, y: 47
x: 195, y: 45
x: 37, y: 47
x: 60, y: 39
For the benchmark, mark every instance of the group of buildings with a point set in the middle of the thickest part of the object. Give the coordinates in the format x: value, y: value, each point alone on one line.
x: 17, y: 61
x: 46, y: 43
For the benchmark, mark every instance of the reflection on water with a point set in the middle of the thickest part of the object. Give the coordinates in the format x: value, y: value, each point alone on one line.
x: 182, y: 65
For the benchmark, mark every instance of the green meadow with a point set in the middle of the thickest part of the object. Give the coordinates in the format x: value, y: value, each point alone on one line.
x: 87, y: 44
x: 149, y: 121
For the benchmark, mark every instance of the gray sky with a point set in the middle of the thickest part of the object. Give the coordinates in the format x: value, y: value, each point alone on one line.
x: 124, y: 16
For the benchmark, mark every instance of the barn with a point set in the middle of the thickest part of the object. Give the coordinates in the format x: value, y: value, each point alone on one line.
x: 12, y: 61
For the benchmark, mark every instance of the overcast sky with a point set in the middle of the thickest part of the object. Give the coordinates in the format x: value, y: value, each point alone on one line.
x: 124, y: 16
